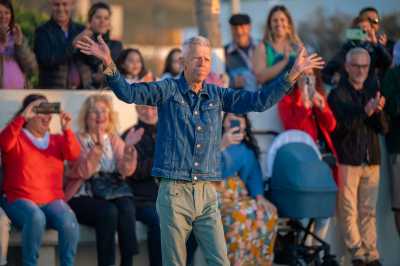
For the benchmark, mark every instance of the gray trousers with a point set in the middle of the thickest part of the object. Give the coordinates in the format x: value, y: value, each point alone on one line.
x: 186, y: 206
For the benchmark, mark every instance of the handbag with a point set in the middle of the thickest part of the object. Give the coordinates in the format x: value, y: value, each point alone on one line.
x: 109, y: 186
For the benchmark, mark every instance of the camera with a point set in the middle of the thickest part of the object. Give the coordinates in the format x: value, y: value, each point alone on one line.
x: 48, y: 108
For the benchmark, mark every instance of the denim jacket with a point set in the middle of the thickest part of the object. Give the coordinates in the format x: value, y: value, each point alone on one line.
x: 189, y: 125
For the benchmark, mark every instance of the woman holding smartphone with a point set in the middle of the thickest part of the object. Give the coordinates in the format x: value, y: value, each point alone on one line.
x: 244, y: 189
x: 17, y: 61
x: 33, y: 165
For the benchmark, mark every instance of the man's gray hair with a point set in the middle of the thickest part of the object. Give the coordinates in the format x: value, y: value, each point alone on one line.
x: 356, y: 51
x: 196, y: 40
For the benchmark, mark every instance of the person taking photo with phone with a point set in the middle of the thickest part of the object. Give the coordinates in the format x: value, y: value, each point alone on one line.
x: 380, y: 56
x: 243, y: 177
x: 33, y: 165
x: 17, y: 61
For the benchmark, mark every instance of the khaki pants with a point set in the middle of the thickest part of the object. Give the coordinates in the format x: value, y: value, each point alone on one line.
x: 358, y: 195
x: 183, y: 207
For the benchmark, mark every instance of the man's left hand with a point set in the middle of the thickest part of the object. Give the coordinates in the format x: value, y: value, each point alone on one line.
x: 304, y: 63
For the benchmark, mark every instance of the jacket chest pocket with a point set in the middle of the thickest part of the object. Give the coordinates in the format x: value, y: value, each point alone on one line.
x: 211, y: 112
x: 181, y: 110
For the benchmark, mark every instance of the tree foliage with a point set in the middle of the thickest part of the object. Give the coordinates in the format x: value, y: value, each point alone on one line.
x: 29, y: 20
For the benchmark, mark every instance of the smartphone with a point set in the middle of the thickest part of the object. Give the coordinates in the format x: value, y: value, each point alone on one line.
x: 235, y: 123
x: 48, y: 108
x: 356, y: 34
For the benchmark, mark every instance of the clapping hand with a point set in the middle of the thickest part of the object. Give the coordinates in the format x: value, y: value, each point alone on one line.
x: 18, y: 35
x: 375, y: 104
x: 130, y: 153
x: 134, y: 136
x: 319, y: 100
x: 3, y: 34
x: 79, y: 37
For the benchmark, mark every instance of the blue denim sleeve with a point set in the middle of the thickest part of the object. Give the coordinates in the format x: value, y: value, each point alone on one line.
x: 243, y: 101
x: 144, y: 93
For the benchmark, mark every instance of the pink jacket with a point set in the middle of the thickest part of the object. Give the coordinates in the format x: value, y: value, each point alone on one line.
x: 85, y: 167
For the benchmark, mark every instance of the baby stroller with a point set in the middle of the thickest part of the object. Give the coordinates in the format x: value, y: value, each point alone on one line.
x: 301, y: 186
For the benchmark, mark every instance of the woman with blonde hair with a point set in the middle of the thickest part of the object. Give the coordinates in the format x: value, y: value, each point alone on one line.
x: 277, y: 51
x: 96, y: 189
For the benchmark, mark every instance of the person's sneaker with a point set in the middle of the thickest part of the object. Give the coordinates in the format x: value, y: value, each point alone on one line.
x: 374, y: 263
x: 358, y: 262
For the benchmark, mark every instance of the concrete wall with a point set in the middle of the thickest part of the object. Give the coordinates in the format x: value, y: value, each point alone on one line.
x: 11, y: 100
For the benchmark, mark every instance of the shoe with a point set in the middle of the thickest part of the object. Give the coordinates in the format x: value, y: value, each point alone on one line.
x: 374, y: 263
x: 358, y: 262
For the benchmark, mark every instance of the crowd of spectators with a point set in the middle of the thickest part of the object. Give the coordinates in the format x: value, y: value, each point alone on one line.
x: 107, y: 182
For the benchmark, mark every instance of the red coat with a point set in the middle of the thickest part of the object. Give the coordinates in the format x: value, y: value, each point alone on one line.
x: 294, y: 115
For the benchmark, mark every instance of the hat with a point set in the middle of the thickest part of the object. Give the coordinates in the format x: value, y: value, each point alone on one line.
x: 239, y: 19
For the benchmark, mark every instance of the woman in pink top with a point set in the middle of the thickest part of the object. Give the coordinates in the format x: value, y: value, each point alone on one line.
x: 105, y: 159
x: 17, y: 61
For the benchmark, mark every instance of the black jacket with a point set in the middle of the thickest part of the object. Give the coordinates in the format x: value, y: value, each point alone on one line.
x: 55, y: 55
x: 144, y: 186
x: 380, y: 61
x: 356, y: 135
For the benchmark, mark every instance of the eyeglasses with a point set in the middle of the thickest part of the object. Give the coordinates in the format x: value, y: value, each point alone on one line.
x: 359, y: 66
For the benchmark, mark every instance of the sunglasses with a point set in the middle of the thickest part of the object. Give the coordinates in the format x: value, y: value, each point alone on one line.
x: 374, y: 20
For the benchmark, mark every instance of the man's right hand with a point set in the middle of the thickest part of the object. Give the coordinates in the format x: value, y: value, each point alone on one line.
x: 99, y: 49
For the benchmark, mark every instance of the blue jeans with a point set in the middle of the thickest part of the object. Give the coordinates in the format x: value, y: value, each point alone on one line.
x: 33, y: 220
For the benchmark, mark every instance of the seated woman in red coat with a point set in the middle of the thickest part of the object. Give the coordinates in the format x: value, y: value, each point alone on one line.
x: 306, y: 109
x: 33, y: 166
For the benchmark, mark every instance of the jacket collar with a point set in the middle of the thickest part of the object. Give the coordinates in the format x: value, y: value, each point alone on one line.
x: 184, y: 87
